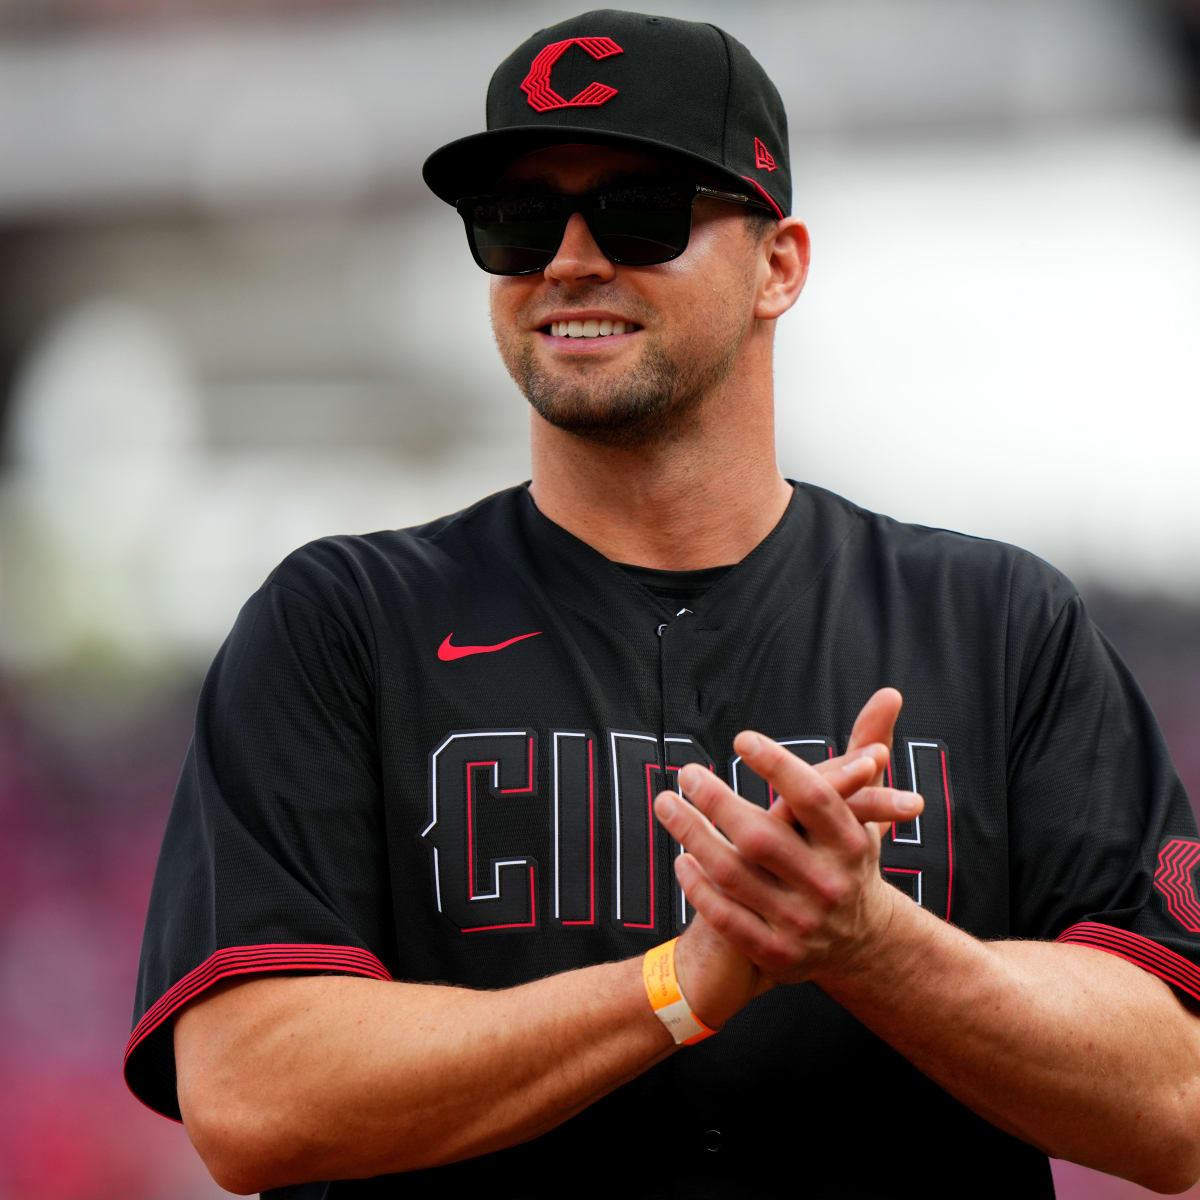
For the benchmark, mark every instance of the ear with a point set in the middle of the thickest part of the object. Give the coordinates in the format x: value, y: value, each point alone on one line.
x: 785, y: 258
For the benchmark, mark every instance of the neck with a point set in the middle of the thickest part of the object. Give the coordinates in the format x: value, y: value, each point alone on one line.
x: 703, y: 498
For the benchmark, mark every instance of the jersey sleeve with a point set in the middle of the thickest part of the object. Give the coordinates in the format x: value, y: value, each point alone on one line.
x: 273, y: 858
x: 1104, y: 846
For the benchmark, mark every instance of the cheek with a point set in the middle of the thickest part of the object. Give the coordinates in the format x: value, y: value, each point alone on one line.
x: 717, y: 268
x: 495, y: 299
x: 506, y: 296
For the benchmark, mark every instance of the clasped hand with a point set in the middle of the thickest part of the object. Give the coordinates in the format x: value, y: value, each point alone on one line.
x: 796, y: 890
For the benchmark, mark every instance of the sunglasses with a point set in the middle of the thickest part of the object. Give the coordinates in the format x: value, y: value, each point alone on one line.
x: 633, y: 224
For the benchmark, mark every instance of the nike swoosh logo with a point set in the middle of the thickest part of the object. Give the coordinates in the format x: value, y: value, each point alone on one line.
x: 448, y: 653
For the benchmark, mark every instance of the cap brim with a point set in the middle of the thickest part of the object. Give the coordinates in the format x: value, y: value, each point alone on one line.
x: 470, y: 165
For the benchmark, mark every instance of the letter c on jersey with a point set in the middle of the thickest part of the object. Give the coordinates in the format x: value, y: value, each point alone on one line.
x: 536, y: 85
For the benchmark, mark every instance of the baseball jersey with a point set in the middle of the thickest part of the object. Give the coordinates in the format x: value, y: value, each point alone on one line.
x: 429, y: 755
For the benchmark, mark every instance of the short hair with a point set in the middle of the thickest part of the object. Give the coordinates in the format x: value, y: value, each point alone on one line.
x: 759, y: 222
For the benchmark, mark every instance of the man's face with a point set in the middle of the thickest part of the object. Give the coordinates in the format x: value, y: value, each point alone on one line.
x: 685, y: 320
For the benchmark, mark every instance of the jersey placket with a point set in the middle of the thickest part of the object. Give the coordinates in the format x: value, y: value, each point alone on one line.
x: 685, y: 681
x: 675, y: 746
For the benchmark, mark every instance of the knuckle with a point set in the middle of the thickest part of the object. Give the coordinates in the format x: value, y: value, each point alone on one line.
x: 683, y: 829
x: 855, y: 842
x: 801, y: 925
x: 831, y: 891
x: 757, y: 843
x: 721, y: 919
x: 775, y: 956
x: 810, y: 796
x: 724, y: 872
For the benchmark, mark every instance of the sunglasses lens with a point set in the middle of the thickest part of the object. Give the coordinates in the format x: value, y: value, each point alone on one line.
x: 634, y: 225
x: 640, y: 226
x: 515, y: 235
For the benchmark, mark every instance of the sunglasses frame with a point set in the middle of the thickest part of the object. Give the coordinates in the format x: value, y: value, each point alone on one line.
x: 585, y: 203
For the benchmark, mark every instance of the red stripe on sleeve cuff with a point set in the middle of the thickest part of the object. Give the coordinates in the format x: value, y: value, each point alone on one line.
x: 1142, y: 951
x: 250, y: 960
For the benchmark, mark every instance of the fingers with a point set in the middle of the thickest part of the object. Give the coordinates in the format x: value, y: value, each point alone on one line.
x: 791, y: 899
x: 818, y: 806
x: 739, y: 925
x: 876, y: 722
x: 871, y: 803
x: 735, y: 864
x: 846, y: 774
x: 836, y: 804
x: 885, y: 805
x: 831, y: 767
x: 787, y: 902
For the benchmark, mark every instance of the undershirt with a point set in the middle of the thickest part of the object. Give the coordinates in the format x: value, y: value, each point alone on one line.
x: 678, y: 588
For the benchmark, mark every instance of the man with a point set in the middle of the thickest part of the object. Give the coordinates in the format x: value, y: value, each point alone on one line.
x: 414, y: 911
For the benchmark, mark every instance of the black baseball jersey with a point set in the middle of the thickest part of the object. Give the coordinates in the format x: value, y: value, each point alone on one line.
x: 429, y: 755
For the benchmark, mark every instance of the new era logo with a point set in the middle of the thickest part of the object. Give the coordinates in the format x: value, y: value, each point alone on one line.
x: 763, y: 158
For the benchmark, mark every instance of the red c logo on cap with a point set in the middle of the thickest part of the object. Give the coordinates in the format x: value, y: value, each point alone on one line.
x: 536, y: 85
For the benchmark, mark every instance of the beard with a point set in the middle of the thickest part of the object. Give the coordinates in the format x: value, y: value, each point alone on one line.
x: 653, y: 401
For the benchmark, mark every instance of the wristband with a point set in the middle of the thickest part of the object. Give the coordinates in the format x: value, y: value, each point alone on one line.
x: 668, y: 1002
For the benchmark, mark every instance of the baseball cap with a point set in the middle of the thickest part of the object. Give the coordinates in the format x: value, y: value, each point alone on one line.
x: 623, y: 78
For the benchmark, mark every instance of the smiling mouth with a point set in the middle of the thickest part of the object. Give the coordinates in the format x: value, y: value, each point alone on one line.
x: 591, y: 328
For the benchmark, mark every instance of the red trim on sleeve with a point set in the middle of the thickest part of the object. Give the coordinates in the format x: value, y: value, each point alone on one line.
x: 1142, y: 951
x: 251, y: 960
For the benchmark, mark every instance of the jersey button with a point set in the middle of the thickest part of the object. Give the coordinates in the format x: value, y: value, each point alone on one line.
x: 712, y: 1140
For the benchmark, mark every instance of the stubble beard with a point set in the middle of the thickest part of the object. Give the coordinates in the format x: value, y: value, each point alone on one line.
x: 653, y: 401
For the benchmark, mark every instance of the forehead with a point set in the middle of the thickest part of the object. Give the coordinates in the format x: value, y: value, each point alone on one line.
x: 578, y: 166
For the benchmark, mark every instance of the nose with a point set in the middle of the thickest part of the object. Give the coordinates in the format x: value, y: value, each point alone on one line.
x: 578, y: 256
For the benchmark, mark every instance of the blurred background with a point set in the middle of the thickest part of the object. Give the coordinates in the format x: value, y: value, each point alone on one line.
x: 233, y: 320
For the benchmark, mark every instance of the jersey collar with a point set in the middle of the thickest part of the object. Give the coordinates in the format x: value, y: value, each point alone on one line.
x: 779, y: 573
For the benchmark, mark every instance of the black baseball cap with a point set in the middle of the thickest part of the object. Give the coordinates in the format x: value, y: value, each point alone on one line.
x: 627, y: 79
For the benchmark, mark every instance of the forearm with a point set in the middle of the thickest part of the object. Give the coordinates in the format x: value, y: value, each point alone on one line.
x: 290, y: 1079
x: 1079, y: 1052
x: 1072, y: 1049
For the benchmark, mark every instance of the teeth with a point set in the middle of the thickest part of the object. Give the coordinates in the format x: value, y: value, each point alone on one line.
x: 590, y: 328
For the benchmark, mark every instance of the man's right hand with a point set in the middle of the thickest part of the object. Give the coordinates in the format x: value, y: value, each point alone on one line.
x: 718, y: 980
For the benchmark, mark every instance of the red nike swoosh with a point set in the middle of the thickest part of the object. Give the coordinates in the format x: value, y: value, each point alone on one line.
x: 448, y: 653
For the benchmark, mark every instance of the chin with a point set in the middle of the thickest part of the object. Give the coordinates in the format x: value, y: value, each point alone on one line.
x: 629, y: 416
x: 621, y: 430
x: 654, y: 402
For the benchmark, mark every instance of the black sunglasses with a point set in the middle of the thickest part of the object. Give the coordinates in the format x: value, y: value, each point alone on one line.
x: 634, y: 224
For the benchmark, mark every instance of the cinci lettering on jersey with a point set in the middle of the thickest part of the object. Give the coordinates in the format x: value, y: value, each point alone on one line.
x: 496, y: 809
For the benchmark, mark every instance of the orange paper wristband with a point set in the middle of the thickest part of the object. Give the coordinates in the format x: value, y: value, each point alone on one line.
x: 668, y: 1002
